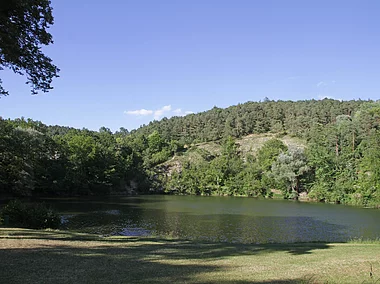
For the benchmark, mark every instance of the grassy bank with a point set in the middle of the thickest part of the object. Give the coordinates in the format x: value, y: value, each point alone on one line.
x: 29, y: 256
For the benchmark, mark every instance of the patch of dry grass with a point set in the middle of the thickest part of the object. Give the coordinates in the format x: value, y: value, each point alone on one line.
x: 29, y: 256
x: 252, y: 143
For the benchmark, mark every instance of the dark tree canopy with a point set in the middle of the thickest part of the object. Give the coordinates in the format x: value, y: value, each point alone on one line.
x: 23, y: 31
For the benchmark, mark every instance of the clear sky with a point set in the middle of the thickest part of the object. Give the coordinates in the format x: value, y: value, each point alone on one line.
x: 126, y: 62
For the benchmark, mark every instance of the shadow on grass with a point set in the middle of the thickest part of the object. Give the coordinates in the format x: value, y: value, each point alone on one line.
x: 63, y: 257
x: 195, y: 249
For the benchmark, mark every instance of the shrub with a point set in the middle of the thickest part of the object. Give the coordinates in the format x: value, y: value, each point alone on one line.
x: 32, y: 216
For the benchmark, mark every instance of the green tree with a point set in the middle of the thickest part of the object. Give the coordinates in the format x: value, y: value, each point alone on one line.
x: 269, y: 152
x: 288, y: 170
x: 28, y: 160
x: 369, y: 175
x: 368, y: 117
x: 23, y: 31
x: 81, y: 155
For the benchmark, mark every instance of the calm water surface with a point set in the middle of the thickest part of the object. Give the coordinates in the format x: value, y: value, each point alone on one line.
x: 227, y: 219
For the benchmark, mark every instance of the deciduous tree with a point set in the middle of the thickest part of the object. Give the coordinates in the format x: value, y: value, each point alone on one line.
x: 23, y: 31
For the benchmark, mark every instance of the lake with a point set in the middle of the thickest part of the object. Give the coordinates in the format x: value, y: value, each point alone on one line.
x: 221, y: 219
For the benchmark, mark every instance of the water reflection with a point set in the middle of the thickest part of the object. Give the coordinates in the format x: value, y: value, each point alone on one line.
x: 237, y: 220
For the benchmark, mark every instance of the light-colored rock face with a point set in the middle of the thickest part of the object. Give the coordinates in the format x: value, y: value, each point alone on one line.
x: 247, y: 145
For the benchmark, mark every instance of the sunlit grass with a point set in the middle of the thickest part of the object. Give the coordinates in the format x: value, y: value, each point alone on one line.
x: 364, y: 241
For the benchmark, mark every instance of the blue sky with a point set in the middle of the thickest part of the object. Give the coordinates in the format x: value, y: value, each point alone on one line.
x: 124, y: 63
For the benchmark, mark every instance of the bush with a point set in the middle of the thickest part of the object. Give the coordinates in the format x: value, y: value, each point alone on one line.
x: 31, y: 216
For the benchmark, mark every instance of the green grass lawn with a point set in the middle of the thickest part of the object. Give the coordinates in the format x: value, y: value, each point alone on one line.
x: 30, y: 256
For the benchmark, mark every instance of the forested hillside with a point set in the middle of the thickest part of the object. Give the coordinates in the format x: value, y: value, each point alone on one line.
x: 326, y: 150
x: 294, y: 118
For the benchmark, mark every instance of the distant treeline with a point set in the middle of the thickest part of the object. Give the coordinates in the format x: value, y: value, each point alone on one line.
x: 294, y: 118
x: 340, y: 163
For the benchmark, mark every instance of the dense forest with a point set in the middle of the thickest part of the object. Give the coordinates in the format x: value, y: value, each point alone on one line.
x: 337, y: 158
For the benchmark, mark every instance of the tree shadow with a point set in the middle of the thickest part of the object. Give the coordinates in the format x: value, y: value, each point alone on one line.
x: 193, y: 249
x: 63, y: 257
